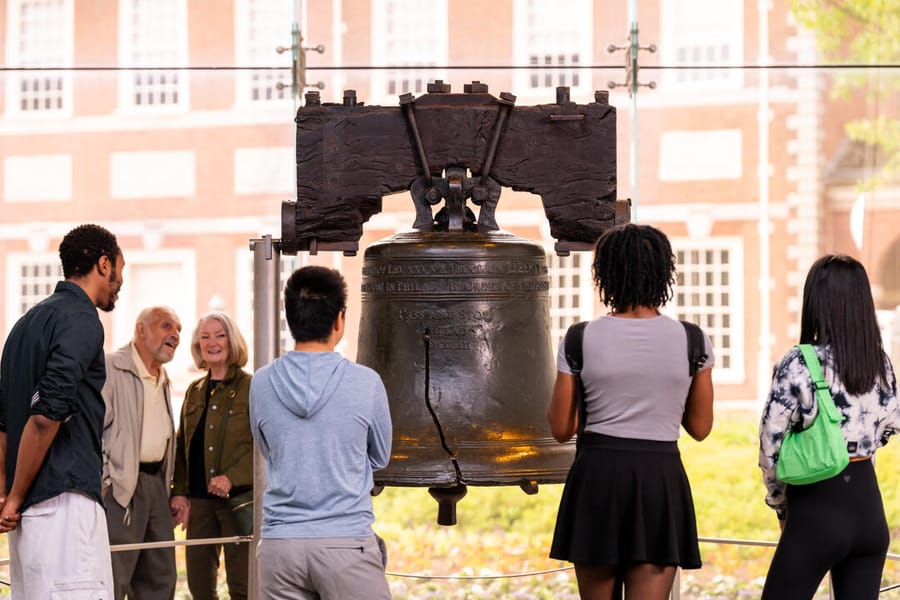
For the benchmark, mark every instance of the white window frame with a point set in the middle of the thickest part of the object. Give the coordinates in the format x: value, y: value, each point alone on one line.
x: 563, y: 312
x: 126, y: 61
x: 887, y: 325
x: 14, y: 263
x: 247, y: 57
x: 678, y: 34
x: 244, y: 292
x: 525, y: 52
x: 14, y: 59
x: 25, y: 178
x: 152, y: 174
x: 435, y: 37
x: 265, y: 170
x: 700, y: 155
x: 184, y: 298
x: 701, y: 313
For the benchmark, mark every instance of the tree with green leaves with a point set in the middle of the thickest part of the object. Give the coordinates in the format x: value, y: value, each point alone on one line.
x: 864, y: 33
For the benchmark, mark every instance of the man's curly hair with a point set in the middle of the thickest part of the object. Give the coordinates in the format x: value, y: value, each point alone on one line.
x: 633, y: 266
x: 82, y: 248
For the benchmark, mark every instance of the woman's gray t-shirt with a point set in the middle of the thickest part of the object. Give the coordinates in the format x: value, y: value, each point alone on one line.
x: 636, y: 376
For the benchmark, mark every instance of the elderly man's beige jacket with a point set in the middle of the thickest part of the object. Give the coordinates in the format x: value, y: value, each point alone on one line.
x: 124, y: 397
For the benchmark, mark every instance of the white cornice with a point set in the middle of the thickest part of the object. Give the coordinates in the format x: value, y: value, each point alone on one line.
x: 384, y: 221
x: 843, y: 198
x: 284, y: 114
x: 197, y: 119
x: 162, y: 227
x: 702, y: 97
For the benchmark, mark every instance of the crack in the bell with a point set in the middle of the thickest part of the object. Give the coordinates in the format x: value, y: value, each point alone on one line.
x: 426, y: 337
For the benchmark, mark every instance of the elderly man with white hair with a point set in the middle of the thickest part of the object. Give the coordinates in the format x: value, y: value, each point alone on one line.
x: 138, y: 456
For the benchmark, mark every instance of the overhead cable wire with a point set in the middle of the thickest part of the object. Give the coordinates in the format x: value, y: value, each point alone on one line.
x: 747, y: 67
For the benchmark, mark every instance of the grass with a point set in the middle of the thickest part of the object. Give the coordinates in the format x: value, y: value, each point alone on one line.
x: 503, y: 531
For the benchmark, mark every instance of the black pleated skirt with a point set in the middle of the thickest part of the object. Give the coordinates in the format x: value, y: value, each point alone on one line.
x: 626, y: 501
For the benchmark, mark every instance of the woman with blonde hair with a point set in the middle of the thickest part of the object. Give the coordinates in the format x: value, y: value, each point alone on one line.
x: 214, y: 456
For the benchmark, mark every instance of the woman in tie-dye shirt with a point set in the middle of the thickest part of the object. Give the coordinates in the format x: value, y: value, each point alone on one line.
x: 835, y: 525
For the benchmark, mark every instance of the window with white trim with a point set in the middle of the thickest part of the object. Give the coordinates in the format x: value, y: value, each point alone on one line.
x: 701, y: 155
x: 261, y: 26
x: 551, y: 34
x: 702, y: 33
x: 407, y: 33
x: 40, y: 35
x: 289, y: 264
x: 165, y: 277
x: 153, y: 40
x: 25, y: 178
x: 31, y: 277
x: 244, y: 280
x: 571, y: 291
x: 265, y: 170
x: 709, y: 292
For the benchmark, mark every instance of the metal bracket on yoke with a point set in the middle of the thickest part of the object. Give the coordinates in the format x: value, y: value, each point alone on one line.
x: 455, y: 188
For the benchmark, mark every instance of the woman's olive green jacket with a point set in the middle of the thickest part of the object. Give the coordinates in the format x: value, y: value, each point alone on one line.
x: 235, y: 458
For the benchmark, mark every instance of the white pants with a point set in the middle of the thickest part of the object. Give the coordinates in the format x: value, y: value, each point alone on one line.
x: 60, y: 551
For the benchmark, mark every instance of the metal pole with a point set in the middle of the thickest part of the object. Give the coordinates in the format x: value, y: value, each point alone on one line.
x: 633, y: 148
x: 266, y: 286
x: 765, y: 341
x: 675, y: 593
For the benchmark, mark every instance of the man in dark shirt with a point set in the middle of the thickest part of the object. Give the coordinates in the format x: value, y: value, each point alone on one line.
x: 52, y: 371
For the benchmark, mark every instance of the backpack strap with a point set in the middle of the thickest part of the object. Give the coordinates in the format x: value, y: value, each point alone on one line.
x: 696, y: 347
x: 575, y: 358
x: 574, y: 349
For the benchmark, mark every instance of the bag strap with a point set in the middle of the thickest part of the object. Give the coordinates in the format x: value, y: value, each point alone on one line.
x: 574, y: 350
x: 696, y: 347
x: 823, y: 394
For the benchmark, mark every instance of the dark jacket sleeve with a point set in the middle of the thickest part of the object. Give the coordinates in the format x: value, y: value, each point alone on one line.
x: 74, y: 343
x: 180, y: 476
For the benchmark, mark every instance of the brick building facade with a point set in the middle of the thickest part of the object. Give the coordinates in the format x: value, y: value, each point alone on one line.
x: 170, y: 122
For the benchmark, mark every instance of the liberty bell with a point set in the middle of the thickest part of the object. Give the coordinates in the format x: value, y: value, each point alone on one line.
x: 455, y: 313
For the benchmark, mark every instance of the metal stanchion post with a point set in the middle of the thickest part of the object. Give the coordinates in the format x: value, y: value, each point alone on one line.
x: 266, y: 286
x: 675, y: 594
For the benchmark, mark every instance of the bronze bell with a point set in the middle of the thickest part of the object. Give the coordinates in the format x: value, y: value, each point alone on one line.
x: 457, y: 323
x: 455, y: 314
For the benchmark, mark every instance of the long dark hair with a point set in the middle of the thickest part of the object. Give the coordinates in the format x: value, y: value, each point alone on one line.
x: 634, y: 266
x: 838, y: 310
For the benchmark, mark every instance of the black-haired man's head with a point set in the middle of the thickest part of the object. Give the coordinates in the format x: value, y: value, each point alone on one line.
x: 89, y: 247
x: 314, y: 297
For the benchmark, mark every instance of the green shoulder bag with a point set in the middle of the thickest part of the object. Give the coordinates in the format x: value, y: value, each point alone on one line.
x: 820, y: 451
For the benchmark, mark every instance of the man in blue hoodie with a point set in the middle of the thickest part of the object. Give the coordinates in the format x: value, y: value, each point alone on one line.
x: 323, y: 425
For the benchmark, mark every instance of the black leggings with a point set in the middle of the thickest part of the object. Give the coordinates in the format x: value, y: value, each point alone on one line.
x: 837, y: 525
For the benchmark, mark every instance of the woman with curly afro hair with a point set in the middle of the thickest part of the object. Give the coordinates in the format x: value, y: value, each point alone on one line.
x: 626, y: 515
